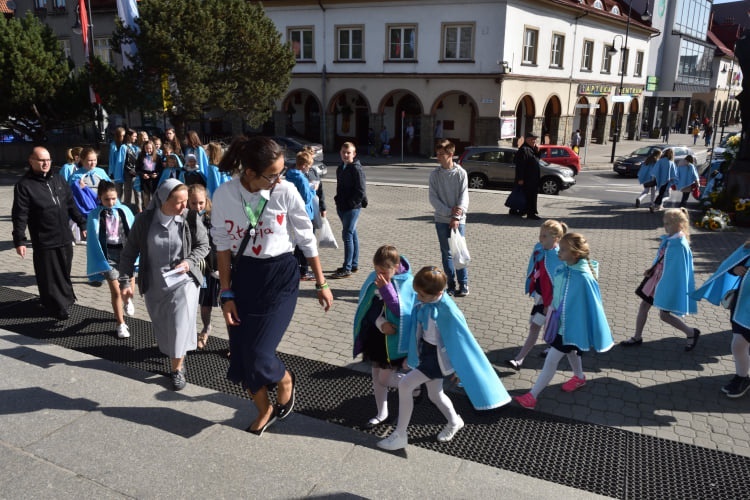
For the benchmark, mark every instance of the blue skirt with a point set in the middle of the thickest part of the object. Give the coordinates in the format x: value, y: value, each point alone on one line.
x: 266, y: 293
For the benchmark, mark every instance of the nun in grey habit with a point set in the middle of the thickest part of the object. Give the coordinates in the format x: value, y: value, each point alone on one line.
x: 172, y: 248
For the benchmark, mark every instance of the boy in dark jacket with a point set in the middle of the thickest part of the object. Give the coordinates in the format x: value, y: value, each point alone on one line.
x: 350, y: 198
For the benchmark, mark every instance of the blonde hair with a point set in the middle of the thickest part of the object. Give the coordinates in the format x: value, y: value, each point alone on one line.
x: 579, y: 247
x: 554, y: 227
x: 430, y: 280
x: 200, y: 189
x: 386, y: 256
x: 214, y: 153
x: 680, y: 217
x: 349, y: 145
x: 305, y: 157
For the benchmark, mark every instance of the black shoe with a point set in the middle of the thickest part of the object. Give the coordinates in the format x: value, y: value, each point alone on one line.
x: 632, y: 342
x: 637, y: 203
x: 462, y: 291
x: 341, y: 274
x: 95, y: 283
x: 374, y: 422
x: 513, y: 364
x: 693, y: 341
x: 355, y: 269
x: 737, y: 387
x: 284, y: 410
x: 451, y: 289
x: 533, y: 217
x: 62, y: 314
x: 259, y: 432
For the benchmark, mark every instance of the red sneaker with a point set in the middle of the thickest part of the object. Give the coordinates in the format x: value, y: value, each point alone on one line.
x: 573, y: 384
x: 527, y: 401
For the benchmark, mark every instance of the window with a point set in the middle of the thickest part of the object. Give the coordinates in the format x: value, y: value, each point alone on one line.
x: 458, y: 41
x: 638, y: 64
x: 598, y: 5
x: 102, y: 50
x: 40, y: 4
x: 402, y: 42
x: 615, y: 10
x: 65, y: 45
x: 607, y: 59
x: 694, y: 66
x: 587, y: 57
x: 692, y: 18
x: 349, y: 43
x: 58, y: 4
x: 556, y: 55
x: 530, y: 37
x: 301, y: 40
x: 624, y: 57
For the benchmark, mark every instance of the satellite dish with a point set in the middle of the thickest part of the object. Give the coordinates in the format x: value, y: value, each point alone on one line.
x: 11, y: 4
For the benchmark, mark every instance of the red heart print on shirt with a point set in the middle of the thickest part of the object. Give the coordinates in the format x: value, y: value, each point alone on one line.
x: 280, y: 219
x: 256, y: 250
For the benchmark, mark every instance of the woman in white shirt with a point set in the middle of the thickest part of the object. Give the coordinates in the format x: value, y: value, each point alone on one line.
x: 259, y: 288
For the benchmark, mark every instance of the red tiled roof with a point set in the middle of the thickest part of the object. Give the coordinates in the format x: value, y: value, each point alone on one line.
x: 4, y: 9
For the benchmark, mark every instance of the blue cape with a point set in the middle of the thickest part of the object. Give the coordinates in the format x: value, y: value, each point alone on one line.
x: 722, y: 281
x: 96, y: 260
x: 664, y: 170
x: 686, y: 175
x: 406, y: 299
x: 302, y: 183
x: 201, y: 158
x: 677, y: 281
x: 551, y: 262
x: 75, y: 177
x: 166, y: 173
x: 214, y: 179
x: 479, y: 378
x: 645, y: 173
x: 582, y: 320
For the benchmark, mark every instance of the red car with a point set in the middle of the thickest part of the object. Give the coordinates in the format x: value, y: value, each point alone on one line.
x: 560, y: 155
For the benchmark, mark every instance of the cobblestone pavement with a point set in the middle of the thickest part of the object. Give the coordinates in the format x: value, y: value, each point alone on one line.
x: 656, y: 389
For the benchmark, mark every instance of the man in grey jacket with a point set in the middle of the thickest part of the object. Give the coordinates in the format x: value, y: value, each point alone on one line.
x: 449, y: 196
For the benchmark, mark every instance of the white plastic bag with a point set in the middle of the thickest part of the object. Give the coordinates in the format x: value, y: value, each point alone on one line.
x: 325, y: 235
x: 316, y: 213
x: 459, y: 250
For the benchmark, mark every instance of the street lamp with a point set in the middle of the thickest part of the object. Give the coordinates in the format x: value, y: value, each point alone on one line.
x: 729, y: 95
x: 77, y: 28
x: 645, y: 17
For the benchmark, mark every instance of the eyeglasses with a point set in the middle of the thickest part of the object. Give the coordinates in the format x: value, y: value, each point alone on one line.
x: 272, y: 179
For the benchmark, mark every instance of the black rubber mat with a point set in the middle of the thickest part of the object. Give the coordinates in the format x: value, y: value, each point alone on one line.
x: 595, y: 458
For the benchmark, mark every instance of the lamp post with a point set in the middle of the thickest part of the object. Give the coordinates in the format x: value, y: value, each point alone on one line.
x: 646, y: 16
x: 729, y: 95
x: 77, y: 28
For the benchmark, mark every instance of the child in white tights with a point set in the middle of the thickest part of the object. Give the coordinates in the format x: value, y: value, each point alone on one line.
x: 440, y: 343
x: 576, y: 321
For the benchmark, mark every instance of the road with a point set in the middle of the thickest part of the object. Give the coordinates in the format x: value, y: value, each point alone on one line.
x: 602, y: 185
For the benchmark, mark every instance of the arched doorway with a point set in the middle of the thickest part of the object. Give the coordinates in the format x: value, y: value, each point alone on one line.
x: 600, y: 121
x: 302, y: 115
x: 351, y: 122
x: 581, y: 119
x: 457, y: 113
x: 408, y: 112
x: 525, y: 112
x: 631, y: 129
x: 551, y: 121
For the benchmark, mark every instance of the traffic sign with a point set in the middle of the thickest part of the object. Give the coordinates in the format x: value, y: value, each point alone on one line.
x: 621, y: 98
x: 587, y: 106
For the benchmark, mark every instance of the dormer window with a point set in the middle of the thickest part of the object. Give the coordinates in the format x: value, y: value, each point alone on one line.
x: 616, y: 10
x: 598, y: 5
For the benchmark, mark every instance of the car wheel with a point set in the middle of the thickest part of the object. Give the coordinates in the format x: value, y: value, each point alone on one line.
x: 550, y: 185
x: 477, y: 181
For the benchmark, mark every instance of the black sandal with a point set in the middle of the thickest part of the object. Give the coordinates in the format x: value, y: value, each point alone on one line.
x: 632, y: 342
x: 693, y: 341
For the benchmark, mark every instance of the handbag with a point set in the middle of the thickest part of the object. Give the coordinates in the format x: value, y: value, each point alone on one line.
x: 729, y: 299
x: 459, y: 250
x: 326, y: 239
x: 639, y: 291
x: 650, y: 184
x: 516, y: 199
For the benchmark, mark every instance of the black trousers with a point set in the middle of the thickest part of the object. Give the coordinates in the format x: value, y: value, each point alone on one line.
x: 52, y: 269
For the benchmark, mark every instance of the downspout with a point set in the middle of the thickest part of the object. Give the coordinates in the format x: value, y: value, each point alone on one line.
x: 323, y: 78
x: 571, y: 113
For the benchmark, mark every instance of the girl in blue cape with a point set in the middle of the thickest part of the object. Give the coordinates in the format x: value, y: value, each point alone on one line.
x: 687, y: 179
x: 670, y: 281
x: 107, y: 228
x: 576, y: 320
x: 172, y: 169
x: 214, y: 176
x: 542, y: 265
x: 440, y: 343
x: 84, y: 182
x: 664, y: 172
x: 732, y: 275
x: 647, y: 179
x: 382, y: 318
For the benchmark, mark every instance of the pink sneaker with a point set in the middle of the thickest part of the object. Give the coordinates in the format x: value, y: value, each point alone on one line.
x: 573, y: 384
x: 527, y: 401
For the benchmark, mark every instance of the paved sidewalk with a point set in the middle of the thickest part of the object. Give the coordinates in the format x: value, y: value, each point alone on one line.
x: 76, y: 426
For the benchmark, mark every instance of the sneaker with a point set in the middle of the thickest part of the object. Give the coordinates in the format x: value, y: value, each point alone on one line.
x: 179, y: 381
x: 527, y: 401
x: 450, y: 430
x: 513, y: 364
x: 738, y: 387
x: 573, y: 384
x: 341, y: 274
x: 355, y: 269
x: 129, y: 308
x: 732, y: 384
x: 122, y: 331
x: 463, y: 291
x: 396, y: 441
x: 308, y: 276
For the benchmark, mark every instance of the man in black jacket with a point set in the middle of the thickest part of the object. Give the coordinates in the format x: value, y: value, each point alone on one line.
x: 351, y: 196
x: 527, y: 173
x: 43, y: 202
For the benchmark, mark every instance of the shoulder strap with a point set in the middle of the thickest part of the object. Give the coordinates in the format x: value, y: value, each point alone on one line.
x: 246, y: 239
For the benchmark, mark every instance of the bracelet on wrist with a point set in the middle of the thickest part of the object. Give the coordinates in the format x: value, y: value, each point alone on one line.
x: 322, y: 286
x: 226, y: 290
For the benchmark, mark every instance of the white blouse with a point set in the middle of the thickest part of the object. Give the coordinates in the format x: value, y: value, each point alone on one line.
x: 283, y: 225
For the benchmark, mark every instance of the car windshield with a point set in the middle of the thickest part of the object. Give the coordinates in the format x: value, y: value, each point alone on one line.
x: 644, y: 151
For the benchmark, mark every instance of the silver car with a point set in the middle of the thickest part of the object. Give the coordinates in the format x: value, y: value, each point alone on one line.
x: 487, y: 165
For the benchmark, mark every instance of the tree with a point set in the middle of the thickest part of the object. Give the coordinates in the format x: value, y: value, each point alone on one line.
x: 37, y: 87
x: 198, y: 54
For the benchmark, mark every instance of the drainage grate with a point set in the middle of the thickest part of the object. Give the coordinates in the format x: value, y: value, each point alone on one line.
x: 595, y: 458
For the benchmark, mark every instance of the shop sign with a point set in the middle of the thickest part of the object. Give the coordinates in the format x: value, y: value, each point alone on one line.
x: 652, y: 82
x: 631, y: 91
x: 594, y: 89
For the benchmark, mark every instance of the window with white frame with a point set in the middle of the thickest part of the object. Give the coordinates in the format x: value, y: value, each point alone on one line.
x: 301, y: 40
x: 349, y: 40
x: 40, y: 4
x: 624, y: 58
x: 638, y: 64
x: 58, y: 4
x: 587, y: 58
x: 402, y: 41
x: 607, y: 59
x: 530, y: 41
x: 556, y: 51
x: 458, y: 41
x: 102, y: 50
x: 65, y: 45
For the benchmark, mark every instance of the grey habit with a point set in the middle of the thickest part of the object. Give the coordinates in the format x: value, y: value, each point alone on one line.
x: 164, y: 241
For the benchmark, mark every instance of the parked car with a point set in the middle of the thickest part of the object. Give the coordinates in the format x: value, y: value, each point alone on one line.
x: 560, y: 155
x: 294, y: 145
x: 487, y: 165
x: 629, y: 165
